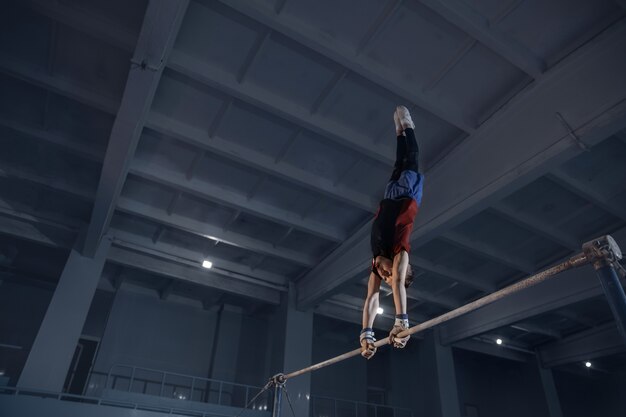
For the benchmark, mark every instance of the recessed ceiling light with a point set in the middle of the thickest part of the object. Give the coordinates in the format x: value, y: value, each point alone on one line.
x: 499, y: 341
x: 207, y: 264
x: 380, y: 310
x: 588, y: 364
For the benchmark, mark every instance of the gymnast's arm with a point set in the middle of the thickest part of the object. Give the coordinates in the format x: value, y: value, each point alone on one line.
x: 398, y: 279
x: 371, y: 301
x: 367, y: 340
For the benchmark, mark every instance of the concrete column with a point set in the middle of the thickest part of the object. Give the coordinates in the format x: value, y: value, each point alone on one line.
x: 293, y: 343
x: 226, y: 348
x: 441, y: 398
x: 50, y: 357
x: 549, y: 388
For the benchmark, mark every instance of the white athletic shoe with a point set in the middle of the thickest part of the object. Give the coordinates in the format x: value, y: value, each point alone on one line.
x: 396, y: 120
x: 404, y: 117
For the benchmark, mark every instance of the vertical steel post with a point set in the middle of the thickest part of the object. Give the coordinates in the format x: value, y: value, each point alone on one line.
x: 614, y: 295
x: 278, y: 394
x: 162, y: 384
x: 605, y: 255
x: 132, y: 377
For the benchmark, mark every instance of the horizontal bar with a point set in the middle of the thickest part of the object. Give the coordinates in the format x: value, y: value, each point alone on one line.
x: 573, y: 262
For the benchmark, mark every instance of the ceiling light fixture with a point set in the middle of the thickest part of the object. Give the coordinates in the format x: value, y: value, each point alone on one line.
x: 499, y: 341
x: 207, y: 264
x: 588, y: 364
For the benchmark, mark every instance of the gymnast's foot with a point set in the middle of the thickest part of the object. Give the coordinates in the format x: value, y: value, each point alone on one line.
x: 403, y: 118
x: 396, y: 120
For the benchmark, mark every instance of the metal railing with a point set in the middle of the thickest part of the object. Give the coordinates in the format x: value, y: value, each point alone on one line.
x: 107, y: 402
x: 172, y: 385
x: 334, y: 407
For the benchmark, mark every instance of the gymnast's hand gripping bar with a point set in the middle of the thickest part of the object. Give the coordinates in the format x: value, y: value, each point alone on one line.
x: 602, y: 252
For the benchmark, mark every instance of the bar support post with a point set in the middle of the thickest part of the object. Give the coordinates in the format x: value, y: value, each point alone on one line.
x: 278, y: 394
x: 605, y: 255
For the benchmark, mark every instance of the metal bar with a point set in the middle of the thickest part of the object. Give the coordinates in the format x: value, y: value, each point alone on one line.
x: 132, y: 377
x: 162, y: 384
x: 614, y: 295
x: 573, y: 262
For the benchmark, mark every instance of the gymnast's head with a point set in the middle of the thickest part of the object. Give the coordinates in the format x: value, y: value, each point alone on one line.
x: 382, y: 267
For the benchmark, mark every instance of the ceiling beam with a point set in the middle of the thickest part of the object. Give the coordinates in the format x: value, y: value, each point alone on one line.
x: 225, y: 82
x: 339, y: 310
x: 348, y: 58
x: 54, y: 184
x: 228, y: 149
x: 344, y: 266
x: 529, y: 327
x: 42, y: 233
x: 223, y: 196
x: 194, y: 136
x: 489, y: 251
x: 442, y: 301
x: 492, y: 349
x: 261, y: 98
x: 230, y: 83
x: 156, y: 39
x: 355, y: 294
x: 390, y: 9
x: 589, y: 193
x: 60, y: 236
x: 181, y: 182
x: 464, y: 278
x: 66, y: 88
x: 136, y: 242
x: 536, y: 226
x: 94, y: 25
x: 584, y: 346
x: 215, y: 233
x: 141, y: 210
x: 576, y: 317
x: 145, y: 245
x: 200, y: 276
x: 76, y: 147
x: 529, y: 141
x: 567, y: 288
x: 463, y: 16
x: 165, y: 290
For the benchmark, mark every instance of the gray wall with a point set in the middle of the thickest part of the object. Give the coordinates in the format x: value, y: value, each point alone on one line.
x: 591, y: 394
x: 176, y: 336
x: 347, y: 379
x: 22, y: 308
x: 499, y: 387
x: 145, y: 331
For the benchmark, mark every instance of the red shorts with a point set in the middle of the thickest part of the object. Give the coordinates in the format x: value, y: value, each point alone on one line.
x: 404, y: 226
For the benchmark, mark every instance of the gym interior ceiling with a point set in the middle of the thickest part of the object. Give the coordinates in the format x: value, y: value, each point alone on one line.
x: 270, y: 138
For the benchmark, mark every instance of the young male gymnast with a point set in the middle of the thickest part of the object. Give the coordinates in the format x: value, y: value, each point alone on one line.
x: 390, y: 236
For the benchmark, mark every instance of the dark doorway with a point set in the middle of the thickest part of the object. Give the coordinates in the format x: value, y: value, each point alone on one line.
x: 81, y: 364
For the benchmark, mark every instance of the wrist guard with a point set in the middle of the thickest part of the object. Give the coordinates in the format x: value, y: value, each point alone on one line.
x: 368, y: 335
